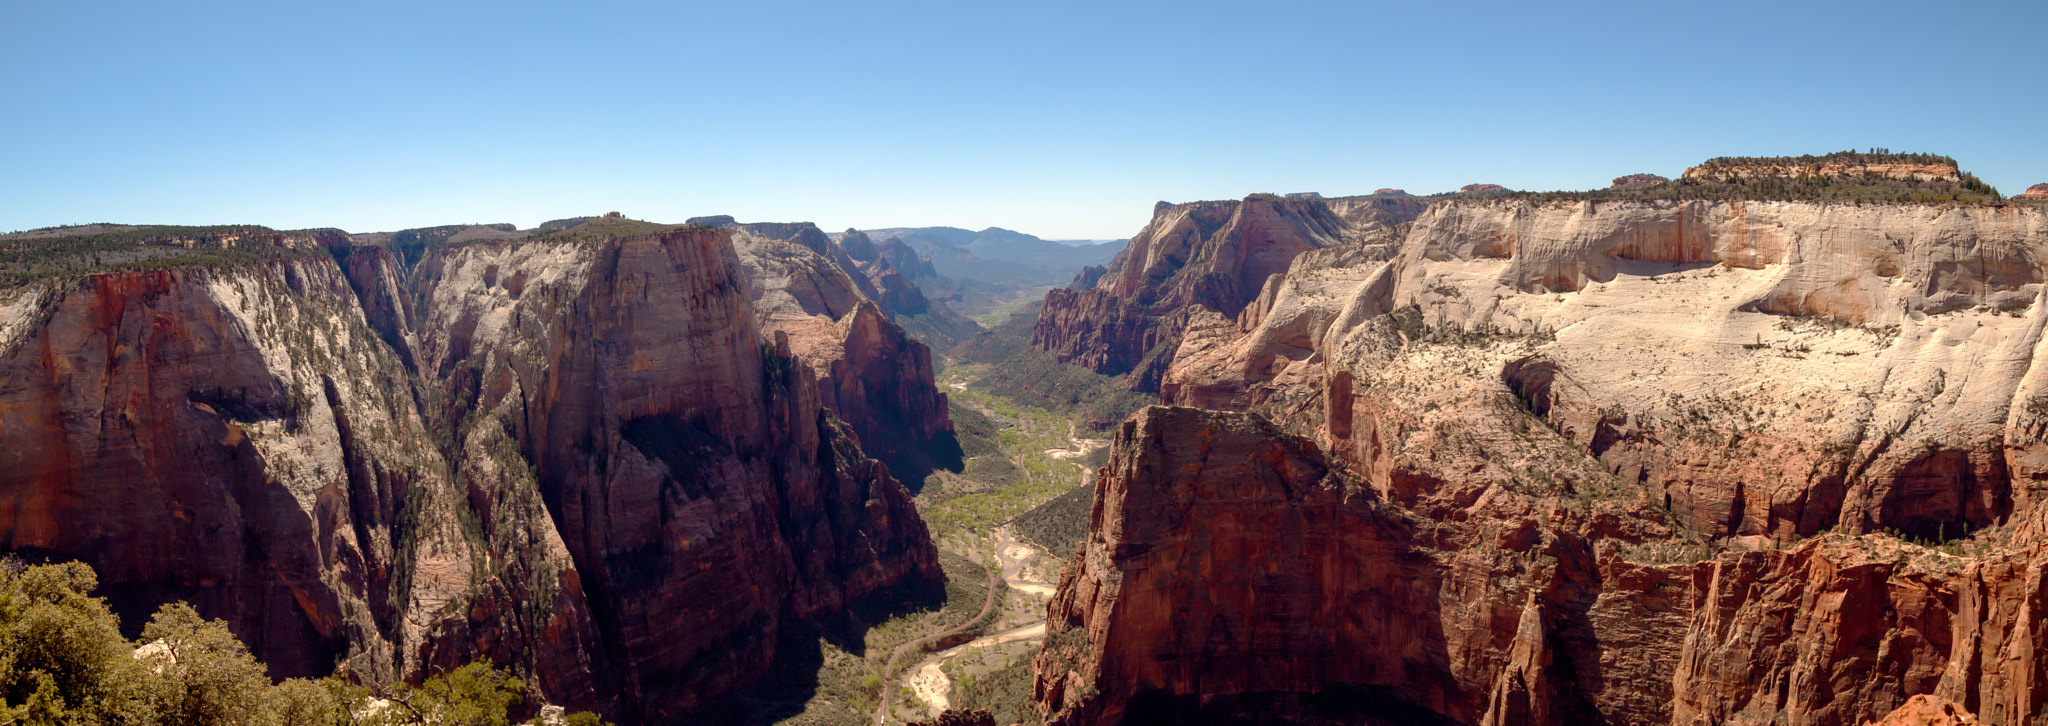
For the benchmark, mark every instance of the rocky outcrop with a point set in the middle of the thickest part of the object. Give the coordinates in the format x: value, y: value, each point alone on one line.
x: 1180, y: 589
x: 1844, y: 631
x: 1638, y: 180
x: 2035, y: 192
x: 1097, y: 330
x: 1928, y: 711
x: 904, y: 259
x: 1390, y: 191
x: 892, y: 269
x: 1482, y: 189
x: 1821, y: 166
x: 1231, y: 571
x: 1088, y: 277
x: 378, y: 281
x: 1212, y: 255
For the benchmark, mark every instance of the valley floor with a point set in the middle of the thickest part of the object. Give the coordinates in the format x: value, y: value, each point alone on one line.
x: 908, y: 656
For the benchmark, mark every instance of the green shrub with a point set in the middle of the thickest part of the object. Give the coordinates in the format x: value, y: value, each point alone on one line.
x: 63, y: 661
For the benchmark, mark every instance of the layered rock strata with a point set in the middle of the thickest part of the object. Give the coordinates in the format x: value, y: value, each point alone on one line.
x: 1873, y: 364
x: 1629, y: 461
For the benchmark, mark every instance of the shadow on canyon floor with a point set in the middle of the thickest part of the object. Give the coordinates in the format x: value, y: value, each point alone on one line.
x: 822, y: 666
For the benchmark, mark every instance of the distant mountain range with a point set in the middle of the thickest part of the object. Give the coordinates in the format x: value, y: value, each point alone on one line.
x: 996, y: 243
x: 995, y: 268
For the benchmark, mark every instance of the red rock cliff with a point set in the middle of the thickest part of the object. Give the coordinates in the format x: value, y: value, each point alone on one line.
x: 207, y: 435
x: 698, y: 484
x: 1232, y: 571
x: 601, y: 472
x: 1637, y: 441
x: 1215, y: 255
x: 869, y: 370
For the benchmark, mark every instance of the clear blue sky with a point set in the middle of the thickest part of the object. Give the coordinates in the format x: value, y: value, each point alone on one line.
x: 1059, y: 119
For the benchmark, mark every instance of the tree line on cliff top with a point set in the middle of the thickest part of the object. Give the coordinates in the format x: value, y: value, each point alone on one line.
x: 1873, y: 156
x: 63, y: 661
x: 1843, y: 189
x: 1734, y: 178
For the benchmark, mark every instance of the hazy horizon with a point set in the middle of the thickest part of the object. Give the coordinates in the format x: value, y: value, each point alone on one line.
x: 1065, y: 121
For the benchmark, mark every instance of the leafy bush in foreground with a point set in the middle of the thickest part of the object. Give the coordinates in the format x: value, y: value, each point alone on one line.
x: 63, y: 661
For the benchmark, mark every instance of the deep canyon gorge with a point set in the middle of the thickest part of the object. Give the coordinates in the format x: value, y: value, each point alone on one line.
x: 1760, y: 444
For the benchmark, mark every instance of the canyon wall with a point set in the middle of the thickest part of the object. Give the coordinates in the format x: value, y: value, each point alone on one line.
x: 238, y: 438
x: 601, y: 468
x: 1215, y: 256
x: 1660, y: 462
x: 869, y: 371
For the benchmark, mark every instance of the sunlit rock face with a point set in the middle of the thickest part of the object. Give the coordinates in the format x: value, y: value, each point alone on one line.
x: 1616, y: 461
x: 1213, y: 256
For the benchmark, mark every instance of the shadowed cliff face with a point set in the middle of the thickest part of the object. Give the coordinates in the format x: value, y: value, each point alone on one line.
x: 1232, y: 573
x: 608, y: 475
x: 1648, y: 450
x: 691, y: 469
x: 1230, y: 560
x: 1225, y: 557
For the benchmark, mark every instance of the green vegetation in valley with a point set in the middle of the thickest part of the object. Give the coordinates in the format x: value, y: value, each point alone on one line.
x: 1004, y: 692
x: 63, y: 661
x: 1003, y: 311
x: 1001, y: 362
x: 1035, y: 378
x: 1000, y: 341
x: 1010, y: 468
x: 1060, y: 524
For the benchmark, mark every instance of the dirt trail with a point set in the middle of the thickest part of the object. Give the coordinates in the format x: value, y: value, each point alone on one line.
x: 930, y: 682
x: 888, y: 669
x: 1080, y: 449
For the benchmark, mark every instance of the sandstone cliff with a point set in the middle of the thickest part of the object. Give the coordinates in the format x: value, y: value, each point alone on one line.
x: 1662, y: 459
x: 1232, y: 572
x: 1212, y: 255
x: 689, y: 467
x: 600, y: 470
x: 1895, y: 169
x: 1850, y: 350
x: 236, y: 437
x: 868, y: 369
